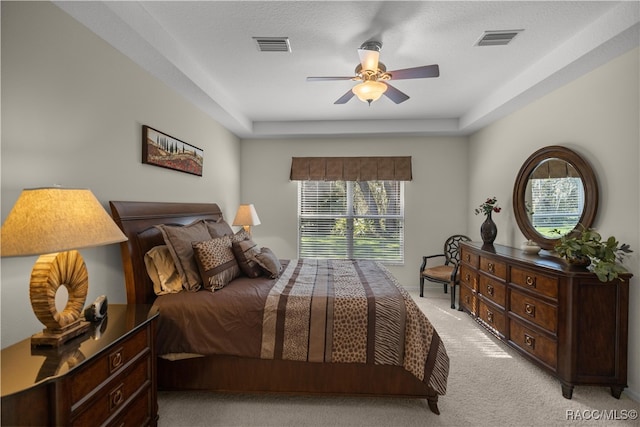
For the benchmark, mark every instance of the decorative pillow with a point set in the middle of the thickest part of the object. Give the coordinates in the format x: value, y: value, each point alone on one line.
x: 219, y: 228
x: 216, y: 262
x: 245, y: 252
x: 241, y: 235
x: 162, y: 271
x: 178, y: 239
x: 269, y: 262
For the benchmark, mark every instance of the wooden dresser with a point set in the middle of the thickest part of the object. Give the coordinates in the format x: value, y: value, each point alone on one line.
x: 560, y: 317
x: 105, y: 377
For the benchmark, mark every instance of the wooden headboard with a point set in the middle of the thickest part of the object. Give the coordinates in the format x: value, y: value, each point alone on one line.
x: 137, y: 221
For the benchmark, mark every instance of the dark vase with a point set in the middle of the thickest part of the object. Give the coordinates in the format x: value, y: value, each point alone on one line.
x: 488, y: 230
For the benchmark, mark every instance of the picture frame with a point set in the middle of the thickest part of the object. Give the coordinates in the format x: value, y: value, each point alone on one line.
x: 166, y: 151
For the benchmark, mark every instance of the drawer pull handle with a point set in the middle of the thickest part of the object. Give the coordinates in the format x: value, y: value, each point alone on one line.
x: 116, y: 397
x: 467, y: 299
x: 489, y: 316
x: 467, y: 278
x: 530, y: 309
x: 530, y: 341
x: 116, y: 360
x: 491, y: 267
x: 531, y: 281
x: 490, y: 290
x: 468, y: 257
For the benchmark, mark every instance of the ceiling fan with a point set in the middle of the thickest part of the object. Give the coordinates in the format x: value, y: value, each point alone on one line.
x: 374, y: 76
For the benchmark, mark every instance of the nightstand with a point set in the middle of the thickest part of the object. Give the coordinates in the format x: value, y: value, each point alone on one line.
x: 104, y: 377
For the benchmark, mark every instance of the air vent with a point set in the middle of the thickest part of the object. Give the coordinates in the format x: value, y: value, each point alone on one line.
x: 497, y: 38
x: 273, y: 44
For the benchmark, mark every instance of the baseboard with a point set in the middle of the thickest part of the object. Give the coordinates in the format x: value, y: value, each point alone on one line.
x: 632, y: 394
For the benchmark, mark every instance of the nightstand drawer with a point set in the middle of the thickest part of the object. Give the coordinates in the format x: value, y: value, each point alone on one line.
x: 493, y: 290
x: 493, y: 267
x: 118, y: 394
x: 534, y: 310
x: 137, y: 414
x: 89, y: 378
x: 534, y: 343
x: 492, y: 316
x: 535, y: 282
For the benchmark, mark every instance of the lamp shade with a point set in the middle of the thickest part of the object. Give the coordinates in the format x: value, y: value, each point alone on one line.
x: 369, y: 91
x: 246, y: 215
x: 48, y: 220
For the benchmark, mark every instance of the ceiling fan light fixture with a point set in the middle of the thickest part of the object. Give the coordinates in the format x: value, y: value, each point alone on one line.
x: 369, y: 91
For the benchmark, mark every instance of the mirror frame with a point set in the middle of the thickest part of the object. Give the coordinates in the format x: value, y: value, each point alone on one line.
x: 589, y: 183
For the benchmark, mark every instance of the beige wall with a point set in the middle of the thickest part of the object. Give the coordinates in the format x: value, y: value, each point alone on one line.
x: 435, y: 201
x: 72, y: 111
x: 597, y: 115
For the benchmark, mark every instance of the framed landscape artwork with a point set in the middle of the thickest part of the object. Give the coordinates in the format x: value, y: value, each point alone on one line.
x: 163, y: 150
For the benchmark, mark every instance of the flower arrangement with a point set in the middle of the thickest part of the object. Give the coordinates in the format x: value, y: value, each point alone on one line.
x: 490, y: 205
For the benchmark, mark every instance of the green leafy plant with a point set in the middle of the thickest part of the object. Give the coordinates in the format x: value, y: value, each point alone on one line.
x: 585, y: 246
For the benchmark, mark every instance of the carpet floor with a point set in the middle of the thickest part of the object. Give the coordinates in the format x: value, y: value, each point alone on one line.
x: 489, y: 385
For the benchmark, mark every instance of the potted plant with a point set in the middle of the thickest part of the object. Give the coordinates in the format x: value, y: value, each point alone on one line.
x: 584, y: 246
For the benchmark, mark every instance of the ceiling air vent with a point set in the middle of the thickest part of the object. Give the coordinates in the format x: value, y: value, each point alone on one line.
x: 497, y: 38
x: 273, y: 44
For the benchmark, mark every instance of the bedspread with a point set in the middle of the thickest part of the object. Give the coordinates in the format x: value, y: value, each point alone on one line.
x: 350, y: 311
x: 333, y: 311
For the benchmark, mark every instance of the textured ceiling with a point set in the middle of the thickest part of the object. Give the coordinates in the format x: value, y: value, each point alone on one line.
x: 205, y: 50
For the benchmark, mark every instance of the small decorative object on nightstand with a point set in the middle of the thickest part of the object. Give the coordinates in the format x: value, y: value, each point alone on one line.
x: 246, y: 217
x: 52, y: 223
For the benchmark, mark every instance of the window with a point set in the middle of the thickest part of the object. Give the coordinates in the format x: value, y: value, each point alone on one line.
x: 351, y: 220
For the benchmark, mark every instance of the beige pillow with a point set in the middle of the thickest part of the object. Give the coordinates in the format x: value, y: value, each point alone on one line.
x: 216, y: 262
x: 179, y: 240
x: 245, y: 252
x: 269, y: 262
x: 162, y: 271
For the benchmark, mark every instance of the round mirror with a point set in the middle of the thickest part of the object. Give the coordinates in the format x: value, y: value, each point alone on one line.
x: 555, y: 191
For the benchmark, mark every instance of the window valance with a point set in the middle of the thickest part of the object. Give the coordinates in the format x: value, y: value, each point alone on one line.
x: 351, y: 169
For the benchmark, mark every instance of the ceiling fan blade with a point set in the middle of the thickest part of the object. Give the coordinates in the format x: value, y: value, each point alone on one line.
x: 416, y: 73
x: 369, y: 59
x: 345, y: 98
x: 394, y: 94
x: 324, y: 79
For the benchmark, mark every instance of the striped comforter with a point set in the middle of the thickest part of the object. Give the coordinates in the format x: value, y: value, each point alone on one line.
x: 350, y: 311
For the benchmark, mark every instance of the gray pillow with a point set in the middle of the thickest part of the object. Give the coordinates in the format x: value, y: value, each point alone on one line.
x: 179, y: 240
x: 269, y: 262
x: 219, y: 228
x: 245, y: 252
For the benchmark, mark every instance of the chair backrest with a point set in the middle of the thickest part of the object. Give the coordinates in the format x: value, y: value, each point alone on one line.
x: 452, y: 248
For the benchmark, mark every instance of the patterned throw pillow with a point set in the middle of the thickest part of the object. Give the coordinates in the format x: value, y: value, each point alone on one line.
x: 217, y: 264
x: 245, y: 252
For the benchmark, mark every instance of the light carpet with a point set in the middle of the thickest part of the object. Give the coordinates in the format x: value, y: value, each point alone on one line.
x: 489, y: 385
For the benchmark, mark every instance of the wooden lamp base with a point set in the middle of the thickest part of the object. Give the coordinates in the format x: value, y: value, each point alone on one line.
x: 49, y: 273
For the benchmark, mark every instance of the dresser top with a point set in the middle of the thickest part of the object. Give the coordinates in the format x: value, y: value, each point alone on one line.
x: 23, y: 366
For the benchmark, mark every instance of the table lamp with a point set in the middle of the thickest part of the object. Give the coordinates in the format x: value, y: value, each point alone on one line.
x: 246, y: 217
x: 53, y: 223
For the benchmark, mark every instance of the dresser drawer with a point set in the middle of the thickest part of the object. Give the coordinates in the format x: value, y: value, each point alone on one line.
x: 535, y: 282
x: 88, y: 378
x: 539, y: 346
x: 542, y: 314
x: 493, y: 317
x: 139, y: 413
x: 468, y: 299
x: 469, y: 277
x: 493, y: 290
x: 493, y: 267
x: 119, y: 394
x: 469, y: 257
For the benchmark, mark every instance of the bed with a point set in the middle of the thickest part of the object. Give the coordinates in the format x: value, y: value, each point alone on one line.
x: 253, y: 343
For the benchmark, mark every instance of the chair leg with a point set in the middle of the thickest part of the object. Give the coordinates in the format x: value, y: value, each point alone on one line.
x: 445, y: 288
x: 421, y: 286
x: 453, y: 295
